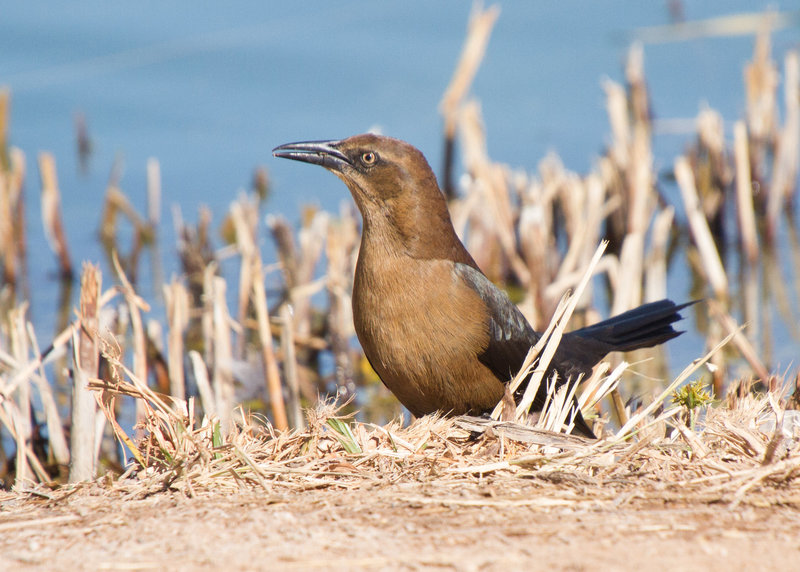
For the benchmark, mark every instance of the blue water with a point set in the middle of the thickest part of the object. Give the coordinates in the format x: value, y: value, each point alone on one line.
x: 209, y: 89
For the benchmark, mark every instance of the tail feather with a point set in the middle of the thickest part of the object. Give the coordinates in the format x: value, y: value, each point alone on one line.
x: 645, y: 326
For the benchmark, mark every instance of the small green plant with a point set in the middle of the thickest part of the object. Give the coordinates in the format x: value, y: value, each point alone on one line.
x: 345, y: 435
x: 216, y: 439
x: 692, y: 397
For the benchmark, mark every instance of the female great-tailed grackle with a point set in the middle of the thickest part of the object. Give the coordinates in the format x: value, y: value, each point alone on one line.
x: 439, y: 334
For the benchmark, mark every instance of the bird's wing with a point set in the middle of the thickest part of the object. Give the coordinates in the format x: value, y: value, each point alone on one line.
x: 510, y: 334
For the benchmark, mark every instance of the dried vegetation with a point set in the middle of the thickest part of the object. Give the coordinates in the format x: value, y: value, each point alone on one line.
x: 217, y: 393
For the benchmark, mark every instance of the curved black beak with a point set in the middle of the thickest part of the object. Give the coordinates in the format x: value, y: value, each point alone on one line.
x: 324, y: 153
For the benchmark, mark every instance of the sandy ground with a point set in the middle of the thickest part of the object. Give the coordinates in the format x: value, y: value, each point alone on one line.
x: 508, y: 524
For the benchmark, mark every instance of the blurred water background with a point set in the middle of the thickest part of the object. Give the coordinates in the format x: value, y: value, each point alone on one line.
x: 210, y: 88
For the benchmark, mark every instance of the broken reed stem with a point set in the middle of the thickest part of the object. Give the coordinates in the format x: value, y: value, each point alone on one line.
x: 86, y: 358
x: 703, y: 239
x: 553, y: 340
x: 271, y: 373
x: 245, y: 233
x: 176, y: 300
x: 741, y: 341
x: 12, y: 213
x: 135, y: 306
x: 200, y: 372
x: 479, y: 30
x: 51, y: 213
x: 23, y: 424
x: 117, y: 202
x: 222, y: 378
x: 290, y: 367
x: 744, y: 193
x: 785, y: 167
x: 153, y: 193
x: 655, y: 285
x: 55, y: 431
x: 5, y: 104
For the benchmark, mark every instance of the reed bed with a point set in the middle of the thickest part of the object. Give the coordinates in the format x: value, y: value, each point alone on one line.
x: 746, y: 451
x: 223, y: 397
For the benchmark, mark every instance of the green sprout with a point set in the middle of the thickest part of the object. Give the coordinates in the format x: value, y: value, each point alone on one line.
x: 691, y: 397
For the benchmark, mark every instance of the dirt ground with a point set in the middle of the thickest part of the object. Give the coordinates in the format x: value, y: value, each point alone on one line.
x: 503, y: 524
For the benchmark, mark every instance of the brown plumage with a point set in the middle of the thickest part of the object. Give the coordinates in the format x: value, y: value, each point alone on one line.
x: 439, y: 334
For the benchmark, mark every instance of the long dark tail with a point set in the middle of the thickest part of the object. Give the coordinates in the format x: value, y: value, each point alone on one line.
x: 643, y: 327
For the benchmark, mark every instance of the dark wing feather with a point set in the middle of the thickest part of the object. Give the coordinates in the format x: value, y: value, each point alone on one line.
x: 510, y: 339
x: 510, y: 334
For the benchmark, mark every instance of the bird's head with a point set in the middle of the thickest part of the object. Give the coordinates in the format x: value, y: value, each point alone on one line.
x: 391, y: 182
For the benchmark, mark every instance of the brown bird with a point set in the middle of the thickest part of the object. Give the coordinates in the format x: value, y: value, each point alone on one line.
x: 441, y: 336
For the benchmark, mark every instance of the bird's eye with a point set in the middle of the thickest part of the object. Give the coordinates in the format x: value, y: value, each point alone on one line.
x: 369, y: 158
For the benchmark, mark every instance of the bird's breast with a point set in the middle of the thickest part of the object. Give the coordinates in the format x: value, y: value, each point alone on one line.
x: 422, y: 328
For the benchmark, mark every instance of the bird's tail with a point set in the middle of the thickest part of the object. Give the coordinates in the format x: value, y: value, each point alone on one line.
x: 643, y: 327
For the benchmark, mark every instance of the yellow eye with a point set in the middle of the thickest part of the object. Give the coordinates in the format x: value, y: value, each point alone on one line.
x: 369, y: 158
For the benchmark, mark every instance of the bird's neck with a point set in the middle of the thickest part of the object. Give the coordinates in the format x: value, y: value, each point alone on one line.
x: 417, y: 231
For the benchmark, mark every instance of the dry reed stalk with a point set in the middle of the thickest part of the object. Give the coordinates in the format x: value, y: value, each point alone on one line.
x: 28, y: 463
x: 787, y: 156
x: 136, y: 305
x: 23, y: 424
x: 761, y: 83
x: 741, y: 341
x: 713, y: 173
x: 479, y: 30
x: 298, y: 262
x: 557, y: 327
x: 222, y: 377
x: 153, y: 193
x: 246, y: 235
x: 287, y: 249
x: 5, y: 105
x: 176, y: 301
x: 117, y: 202
x: 51, y: 213
x: 634, y: 75
x: 342, y: 241
x: 617, y: 110
x: 271, y: 373
x: 86, y: 358
x: 290, y: 367
x: 17, y: 174
x: 7, y: 243
x: 535, y: 239
x: 656, y: 263
x: 638, y: 185
x: 587, y: 221
x: 299, y: 266
x: 744, y: 193
x: 495, y: 218
x: 200, y: 372
x: 59, y: 449
x: 712, y: 265
x: 207, y: 313
x: 628, y: 291
x: 640, y: 180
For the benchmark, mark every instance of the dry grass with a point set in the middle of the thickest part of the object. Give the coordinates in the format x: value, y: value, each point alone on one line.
x: 747, y: 450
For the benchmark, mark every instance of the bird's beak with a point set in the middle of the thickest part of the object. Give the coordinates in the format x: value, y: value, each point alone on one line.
x: 324, y: 153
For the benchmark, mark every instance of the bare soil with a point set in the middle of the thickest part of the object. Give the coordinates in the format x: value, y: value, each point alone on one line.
x: 489, y: 524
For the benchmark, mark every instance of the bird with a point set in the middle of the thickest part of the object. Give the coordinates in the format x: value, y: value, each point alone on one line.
x: 440, y: 335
